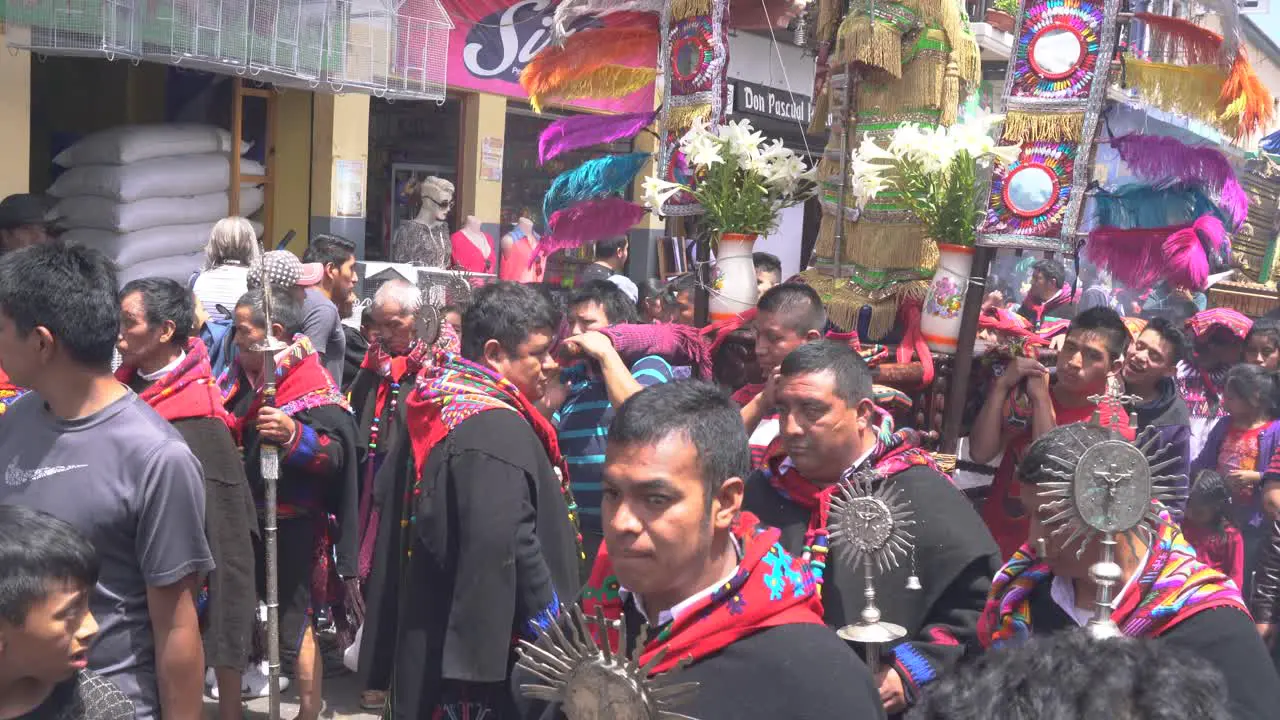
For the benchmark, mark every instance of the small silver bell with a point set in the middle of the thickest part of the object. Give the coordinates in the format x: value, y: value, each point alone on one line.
x: 913, y: 583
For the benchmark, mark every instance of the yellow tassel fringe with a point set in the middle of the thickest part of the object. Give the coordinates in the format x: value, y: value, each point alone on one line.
x: 920, y: 86
x: 610, y: 81
x: 1191, y: 90
x: 873, y: 44
x: 682, y: 118
x: 1020, y: 126
x: 950, y: 96
x: 828, y: 19
x: 821, y: 108
x: 681, y: 9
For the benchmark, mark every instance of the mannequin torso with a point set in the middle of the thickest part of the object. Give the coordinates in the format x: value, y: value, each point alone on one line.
x: 518, y: 247
x: 472, y: 247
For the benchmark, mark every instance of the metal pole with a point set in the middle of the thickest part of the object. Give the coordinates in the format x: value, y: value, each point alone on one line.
x: 270, y: 467
x: 844, y: 116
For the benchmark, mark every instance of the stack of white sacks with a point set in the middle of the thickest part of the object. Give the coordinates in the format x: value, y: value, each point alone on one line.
x: 148, y: 195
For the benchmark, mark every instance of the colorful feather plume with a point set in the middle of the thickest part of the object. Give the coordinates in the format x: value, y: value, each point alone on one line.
x: 596, y: 178
x: 1271, y: 143
x: 570, y: 14
x: 1189, y: 253
x: 1243, y: 105
x: 589, y: 222
x: 1160, y: 157
x: 596, y: 59
x: 582, y: 131
x: 1131, y: 256
x: 1137, y: 206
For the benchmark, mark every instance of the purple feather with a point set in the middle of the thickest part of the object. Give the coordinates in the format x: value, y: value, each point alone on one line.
x: 583, y: 131
x: 1160, y: 157
x: 588, y: 222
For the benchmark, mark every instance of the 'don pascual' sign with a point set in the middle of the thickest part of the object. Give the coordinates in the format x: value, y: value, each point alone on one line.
x: 772, y: 103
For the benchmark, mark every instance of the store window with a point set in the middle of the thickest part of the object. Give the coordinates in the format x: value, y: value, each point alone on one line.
x: 525, y: 183
x: 406, y: 140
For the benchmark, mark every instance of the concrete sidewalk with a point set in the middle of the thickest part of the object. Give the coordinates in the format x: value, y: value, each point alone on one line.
x: 341, y: 701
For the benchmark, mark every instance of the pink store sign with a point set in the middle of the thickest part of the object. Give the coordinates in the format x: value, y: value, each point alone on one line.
x: 487, y: 55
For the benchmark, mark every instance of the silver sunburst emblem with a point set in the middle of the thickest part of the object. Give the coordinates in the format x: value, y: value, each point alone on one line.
x: 1109, y: 492
x: 870, y: 523
x: 592, y: 682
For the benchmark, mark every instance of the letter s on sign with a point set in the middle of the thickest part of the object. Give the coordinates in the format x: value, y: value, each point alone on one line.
x: 508, y: 35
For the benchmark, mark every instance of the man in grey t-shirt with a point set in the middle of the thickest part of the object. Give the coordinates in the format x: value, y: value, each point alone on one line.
x: 84, y: 448
x: 337, y: 256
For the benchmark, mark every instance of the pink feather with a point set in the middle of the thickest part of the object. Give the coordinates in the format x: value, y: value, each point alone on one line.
x: 1159, y: 158
x: 1188, y: 266
x: 588, y: 222
x: 583, y: 131
x: 1130, y: 256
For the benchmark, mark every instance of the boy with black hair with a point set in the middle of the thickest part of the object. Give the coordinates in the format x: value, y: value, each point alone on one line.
x: 787, y: 316
x: 332, y: 300
x: 1049, y: 292
x: 742, y: 617
x: 611, y: 260
x: 678, y: 300
x: 1262, y: 344
x: 593, y: 389
x: 768, y: 271
x: 1091, y: 357
x: 47, y: 572
x: 1150, y: 372
x: 1164, y: 591
x: 85, y: 448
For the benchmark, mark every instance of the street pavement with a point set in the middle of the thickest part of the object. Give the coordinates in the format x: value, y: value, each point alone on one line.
x: 342, y: 702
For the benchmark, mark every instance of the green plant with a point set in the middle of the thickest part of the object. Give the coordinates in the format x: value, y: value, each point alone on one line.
x: 1009, y: 7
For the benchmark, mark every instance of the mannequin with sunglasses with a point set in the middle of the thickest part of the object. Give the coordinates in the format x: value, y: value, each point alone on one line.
x: 424, y: 240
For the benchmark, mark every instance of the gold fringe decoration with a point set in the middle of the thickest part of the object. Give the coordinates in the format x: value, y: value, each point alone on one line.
x: 1021, y: 126
x: 821, y: 108
x: 681, y: 9
x: 874, y: 44
x: 1190, y: 90
x: 828, y: 19
x: 920, y: 86
x: 844, y: 301
x: 950, y: 96
x: 964, y: 46
x: 610, y: 81
x: 682, y: 118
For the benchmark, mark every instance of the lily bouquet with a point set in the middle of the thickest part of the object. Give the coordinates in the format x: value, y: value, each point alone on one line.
x: 740, y: 181
x: 935, y: 172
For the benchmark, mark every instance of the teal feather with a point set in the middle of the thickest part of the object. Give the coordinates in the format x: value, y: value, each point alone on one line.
x: 1140, y: 207
x: 601, y: 177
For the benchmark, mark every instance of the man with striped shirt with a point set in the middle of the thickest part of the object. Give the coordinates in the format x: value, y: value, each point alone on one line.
x: 594, y: 387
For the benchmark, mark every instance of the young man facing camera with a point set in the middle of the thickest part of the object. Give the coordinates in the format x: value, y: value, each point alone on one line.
x: 829, y: 424
x: 1150, y: 372
x: 1164, y: 591
x: 489, y: 531
x: 714, y: 586
x: 1091, y: 355
x: 47, y: 571
x: 332, y: 300
x: 86, y: 449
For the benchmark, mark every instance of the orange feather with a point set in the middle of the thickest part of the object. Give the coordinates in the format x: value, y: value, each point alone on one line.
x: 585, y: 52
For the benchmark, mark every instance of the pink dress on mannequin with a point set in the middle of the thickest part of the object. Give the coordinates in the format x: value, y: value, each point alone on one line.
x: 466, y: 256
x: 515, y: 260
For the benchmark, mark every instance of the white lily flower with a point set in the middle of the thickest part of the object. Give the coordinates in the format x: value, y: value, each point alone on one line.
x: 742, y: 139
x: 658, y: 191
x: 1006, y: 155
x: 870, y: 151
x: 775, y: 150
x: 704, y: 152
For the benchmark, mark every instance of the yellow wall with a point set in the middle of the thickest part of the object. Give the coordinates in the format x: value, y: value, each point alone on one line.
x: 483, y: 116
x: 291, y: 194
x: 15, y: 119
x: 340, y: 132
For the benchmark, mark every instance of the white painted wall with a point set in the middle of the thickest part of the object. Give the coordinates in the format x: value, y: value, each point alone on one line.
x: 785, y: 241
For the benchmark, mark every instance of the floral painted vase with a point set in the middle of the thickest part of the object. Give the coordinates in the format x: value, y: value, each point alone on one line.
x: 943, y: 306
x: 733, y: 282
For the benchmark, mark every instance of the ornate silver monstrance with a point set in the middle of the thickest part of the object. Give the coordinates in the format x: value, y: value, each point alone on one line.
x: 428, y: 323
x: 1109, y: 492
x: 869, y: 521
x: 592, y: 682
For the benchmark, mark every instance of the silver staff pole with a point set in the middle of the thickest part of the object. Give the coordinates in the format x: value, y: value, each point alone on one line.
x: 270, y: 464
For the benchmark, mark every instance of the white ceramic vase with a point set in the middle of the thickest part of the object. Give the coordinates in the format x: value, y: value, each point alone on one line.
x: 733, y: 282
x: 944, y: 305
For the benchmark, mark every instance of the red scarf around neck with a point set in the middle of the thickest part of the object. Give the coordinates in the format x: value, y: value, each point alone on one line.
x: 302, y: 382
x: 188, y: 391
x: 770, y: 588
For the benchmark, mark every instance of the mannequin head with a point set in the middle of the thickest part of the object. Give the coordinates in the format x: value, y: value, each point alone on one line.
x: 433, y: 196
x: 472, y: 224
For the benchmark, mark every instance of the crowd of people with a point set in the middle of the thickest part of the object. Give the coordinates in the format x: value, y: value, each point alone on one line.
x: 442, y: 498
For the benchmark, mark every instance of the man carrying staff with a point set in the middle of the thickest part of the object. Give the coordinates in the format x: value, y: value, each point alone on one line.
x: 486, y: 547
x: 830, y: 424
x: 311, y: 423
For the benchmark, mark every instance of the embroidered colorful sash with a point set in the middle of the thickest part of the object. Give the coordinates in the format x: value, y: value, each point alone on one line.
x: 455, y: 390
x: 188, y: 391
x: 1172, y: 587
x: 9, y: 393
x: 771, y: 588
x: 900, y: 451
